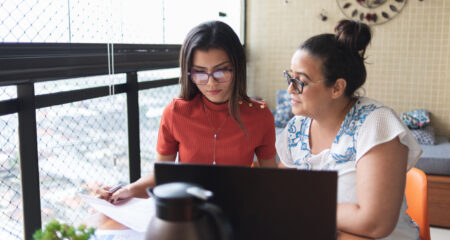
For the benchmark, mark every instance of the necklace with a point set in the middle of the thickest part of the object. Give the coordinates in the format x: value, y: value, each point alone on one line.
x: 215, y: 132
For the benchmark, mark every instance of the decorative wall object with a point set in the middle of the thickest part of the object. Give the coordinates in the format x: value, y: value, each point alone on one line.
x: 372, y: 12
x: 323, y: 15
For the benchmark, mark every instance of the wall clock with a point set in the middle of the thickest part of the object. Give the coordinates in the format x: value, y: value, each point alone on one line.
x: 371, y: 12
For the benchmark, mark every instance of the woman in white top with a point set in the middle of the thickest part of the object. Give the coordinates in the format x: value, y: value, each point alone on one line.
x: 360, y: 138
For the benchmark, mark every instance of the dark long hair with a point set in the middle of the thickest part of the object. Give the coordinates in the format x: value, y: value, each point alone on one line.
x: 342, y: 54
x: 216, y: 34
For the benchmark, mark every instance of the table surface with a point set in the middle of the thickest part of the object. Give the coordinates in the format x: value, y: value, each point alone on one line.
x: 102, y: 222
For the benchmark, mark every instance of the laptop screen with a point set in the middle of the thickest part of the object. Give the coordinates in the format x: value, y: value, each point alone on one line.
x: 265, y: 203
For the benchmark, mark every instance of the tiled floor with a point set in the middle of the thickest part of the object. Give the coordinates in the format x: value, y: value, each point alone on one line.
x: 439, y: 233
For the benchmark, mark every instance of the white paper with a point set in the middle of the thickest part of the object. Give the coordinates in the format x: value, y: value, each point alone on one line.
x: 135, y: 213
x: 117, y: 235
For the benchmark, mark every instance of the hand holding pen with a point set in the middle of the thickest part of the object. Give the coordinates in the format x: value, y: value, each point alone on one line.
x: 114, y: 195
x: 115, y: 188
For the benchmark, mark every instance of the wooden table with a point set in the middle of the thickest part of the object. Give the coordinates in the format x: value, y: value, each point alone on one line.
x: 102, y: 222
x: 348, y: 236
x: 439, y: 200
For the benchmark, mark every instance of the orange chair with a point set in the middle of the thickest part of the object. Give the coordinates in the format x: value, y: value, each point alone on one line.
x: 417, y: 199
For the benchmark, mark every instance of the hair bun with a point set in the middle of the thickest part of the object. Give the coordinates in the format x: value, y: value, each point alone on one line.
x: 354, y: 35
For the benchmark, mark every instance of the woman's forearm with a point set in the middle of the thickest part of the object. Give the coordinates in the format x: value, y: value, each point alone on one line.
x: 351, y: 218
x: 138, y: 188
x: 355, y: 219
x: 271, y: 162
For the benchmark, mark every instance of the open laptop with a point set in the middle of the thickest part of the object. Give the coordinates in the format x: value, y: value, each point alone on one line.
x: 265, y: 203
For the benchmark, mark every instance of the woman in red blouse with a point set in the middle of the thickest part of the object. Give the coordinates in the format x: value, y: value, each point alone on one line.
x: 213, y: 121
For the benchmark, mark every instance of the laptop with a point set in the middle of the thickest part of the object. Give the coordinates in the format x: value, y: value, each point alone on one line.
x: 265, y: 203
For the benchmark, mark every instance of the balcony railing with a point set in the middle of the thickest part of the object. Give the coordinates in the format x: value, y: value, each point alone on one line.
x: 24, y: 65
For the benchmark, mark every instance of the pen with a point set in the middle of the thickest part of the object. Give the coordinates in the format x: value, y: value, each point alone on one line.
x: 115, y: 188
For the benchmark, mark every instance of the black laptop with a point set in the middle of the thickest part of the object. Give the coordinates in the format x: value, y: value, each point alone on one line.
x: 265, y: 203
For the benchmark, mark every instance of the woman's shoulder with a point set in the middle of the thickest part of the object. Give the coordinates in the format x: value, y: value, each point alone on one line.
x: 366, y: 107
x: 178, y: 102
x: 181, y: 106
x: 382, y: 125
x: 376, y: 119
x: 365, y: 113
x: 252, y: 107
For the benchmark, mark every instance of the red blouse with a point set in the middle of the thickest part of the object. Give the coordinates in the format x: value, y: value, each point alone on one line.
x: 188, y: 127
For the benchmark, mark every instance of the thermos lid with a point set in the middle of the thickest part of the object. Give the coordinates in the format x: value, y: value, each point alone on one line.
x: 178, y: 201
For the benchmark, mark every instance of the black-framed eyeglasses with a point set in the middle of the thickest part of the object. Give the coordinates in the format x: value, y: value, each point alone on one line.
x: 297, y: 84
x: 202, y: 78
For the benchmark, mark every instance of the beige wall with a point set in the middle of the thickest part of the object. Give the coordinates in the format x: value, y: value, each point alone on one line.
x: 409, y: 58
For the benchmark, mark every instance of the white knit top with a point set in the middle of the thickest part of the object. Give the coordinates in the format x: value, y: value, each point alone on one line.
x: 366, y: 125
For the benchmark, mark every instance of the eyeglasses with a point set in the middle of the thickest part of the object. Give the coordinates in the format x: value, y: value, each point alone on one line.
x: 296, y: 83
x: 202, y: 78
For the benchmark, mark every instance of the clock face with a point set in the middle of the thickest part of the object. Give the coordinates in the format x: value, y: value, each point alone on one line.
x: 371, y: 12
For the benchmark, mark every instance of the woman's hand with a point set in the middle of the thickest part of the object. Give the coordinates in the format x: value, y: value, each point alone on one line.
x: 135, y: 189
x: 103, y: 193
x: 122, y: 194
x: 114, y: 197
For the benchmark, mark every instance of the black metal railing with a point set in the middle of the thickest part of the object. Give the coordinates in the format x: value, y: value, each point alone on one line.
x: 25, y: 64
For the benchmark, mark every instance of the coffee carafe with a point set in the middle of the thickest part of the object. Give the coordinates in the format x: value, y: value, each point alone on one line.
x: 182, y: 212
